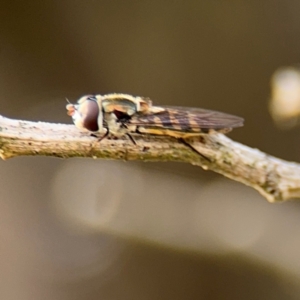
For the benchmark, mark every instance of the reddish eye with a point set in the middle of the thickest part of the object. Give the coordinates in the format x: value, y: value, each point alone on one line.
x: 89, y: 111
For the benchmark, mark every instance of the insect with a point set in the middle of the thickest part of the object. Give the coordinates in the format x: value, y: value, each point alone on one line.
x: 122, y: 114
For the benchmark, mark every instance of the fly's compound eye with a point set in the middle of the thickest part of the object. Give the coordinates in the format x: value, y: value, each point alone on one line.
x: 89, y: 111
x: 85, y: 113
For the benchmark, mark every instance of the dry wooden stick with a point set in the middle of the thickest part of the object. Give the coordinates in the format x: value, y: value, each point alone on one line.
x: 277, y: 180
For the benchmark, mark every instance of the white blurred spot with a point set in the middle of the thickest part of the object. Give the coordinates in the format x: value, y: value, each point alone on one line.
x: 227, y: 213
x: 88, y: 192
x: 285, y: 100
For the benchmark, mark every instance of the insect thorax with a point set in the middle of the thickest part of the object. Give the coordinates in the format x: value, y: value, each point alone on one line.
x: 117, y: 109
x: 124, y: 103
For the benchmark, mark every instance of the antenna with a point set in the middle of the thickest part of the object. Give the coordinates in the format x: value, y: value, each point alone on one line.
x: 68, y: 101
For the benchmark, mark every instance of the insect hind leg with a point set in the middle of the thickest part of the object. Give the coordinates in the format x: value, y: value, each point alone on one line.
x: 131, y: 138
x: 183, y: 141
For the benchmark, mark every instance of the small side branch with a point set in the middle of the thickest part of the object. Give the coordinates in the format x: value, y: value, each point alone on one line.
x: 276, y: 179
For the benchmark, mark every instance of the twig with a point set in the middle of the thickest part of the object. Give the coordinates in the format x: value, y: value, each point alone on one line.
x: 276, y: 179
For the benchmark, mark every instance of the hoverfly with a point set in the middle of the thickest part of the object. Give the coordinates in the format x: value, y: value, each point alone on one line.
x: 122, y: 114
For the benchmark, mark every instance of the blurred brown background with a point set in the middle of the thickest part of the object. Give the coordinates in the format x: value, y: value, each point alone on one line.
x: 85, y: 229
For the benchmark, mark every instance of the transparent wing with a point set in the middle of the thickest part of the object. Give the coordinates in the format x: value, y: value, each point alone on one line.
x: 187, y: 119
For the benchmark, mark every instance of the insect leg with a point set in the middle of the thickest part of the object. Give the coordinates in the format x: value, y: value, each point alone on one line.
x: 131, y: 138
x: 103, y: 136
x: 182, y: 140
